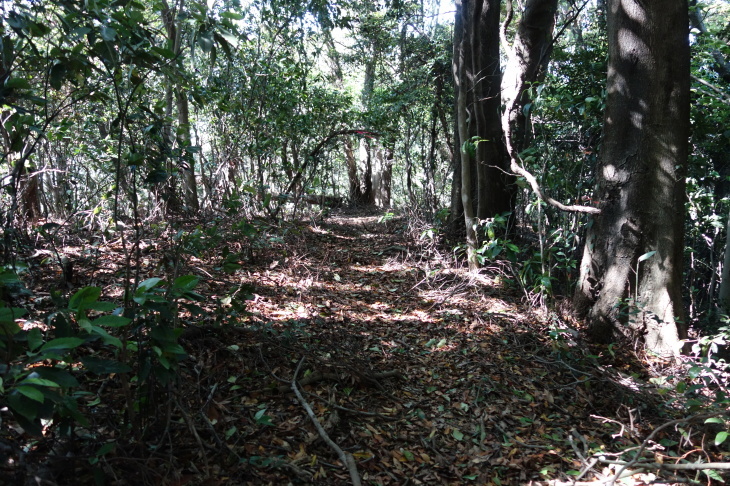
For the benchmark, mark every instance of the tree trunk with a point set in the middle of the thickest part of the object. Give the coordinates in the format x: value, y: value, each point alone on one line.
x: 485, y: 188
x: 723, y: 296
x: 527, y: 63
x: 174, y: 36
x: 641, y: 180
x: 462, y: 52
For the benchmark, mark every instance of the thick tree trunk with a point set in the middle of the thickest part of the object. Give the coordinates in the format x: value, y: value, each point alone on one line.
x: 462, y: 54
x: 485, y: 188
x: 640, y: 180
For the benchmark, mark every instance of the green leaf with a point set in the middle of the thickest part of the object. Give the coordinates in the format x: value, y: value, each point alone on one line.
x: 9, y: 314
x: 261, y: 418
x: 205, y: 41
x: 166, y: 53
x: 40, y: 382
x: 31, y: 392
x: 646, y: 256
x: 101, y: 366
x: 17, y: 83
x: 102, y: 306
x: 62, y: 377
x: 106, y: 449
x: 106, y: 337
x: 148, y: 285
x: 112, y: 321
x: 232, y: 16
x: 457, y: 434
x: 711, y: 473
x: 186, y: 282
x: 108, y: 33
x: 62, y: 343
x: 721, y: 437
x: 83, y: 298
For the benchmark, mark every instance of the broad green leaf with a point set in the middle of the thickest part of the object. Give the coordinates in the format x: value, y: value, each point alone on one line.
x: 9, y: 314
x: 101, y: 366
x: 62, y: 343
x: 721, y: 437
x: 230, y: 38
x: 22, y: 407
x: 112, y: 321
x: 106, y: 449
x: 232, y: 16
x: 83, y: 298
x: 106, y: 337
x: 35, y: 339
x: 17, y: 83
x: 62, y: 377
x: 108, y: 33
x: 40, y: 382
x: 186, y: 282
x: 31, y: 392
x: 205, y: 41
x: 166, y: 53
x: 457, y: 434
x: 102, y: 306
x: 148, y: 284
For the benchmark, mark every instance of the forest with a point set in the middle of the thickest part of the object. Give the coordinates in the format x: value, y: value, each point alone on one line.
x: 395, y: 242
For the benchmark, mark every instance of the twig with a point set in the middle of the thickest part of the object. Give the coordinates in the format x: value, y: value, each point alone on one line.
x: 193, y: 430
x: 694, y: 466
x: 635, y: 462
x: 352, y: 410
x: 345, y: 457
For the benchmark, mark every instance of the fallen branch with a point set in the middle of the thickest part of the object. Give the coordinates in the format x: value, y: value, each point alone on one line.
x: 318, y: 376
x: 345, y: 457
x: 636, y: 462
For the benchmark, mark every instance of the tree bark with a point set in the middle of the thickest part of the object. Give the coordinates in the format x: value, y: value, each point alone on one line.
x: 641, y: 180
x: 528, y: 61
x: 462, y: 52
x: 486, y: 189
x: 182, y: 105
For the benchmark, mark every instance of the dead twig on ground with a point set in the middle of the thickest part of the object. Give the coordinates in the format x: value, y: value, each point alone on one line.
x: 345, y: 457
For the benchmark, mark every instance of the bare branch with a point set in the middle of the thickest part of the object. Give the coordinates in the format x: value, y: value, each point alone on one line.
x: 345, y: 457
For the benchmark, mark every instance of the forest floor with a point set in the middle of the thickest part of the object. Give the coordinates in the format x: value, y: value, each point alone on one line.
x: 418, y: 370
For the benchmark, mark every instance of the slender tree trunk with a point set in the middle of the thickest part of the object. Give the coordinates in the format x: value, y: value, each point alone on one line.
x: 640, y: 180
x: 182, y: 105
x: 462, y: 54
x: 528, y: 61
x: 723, y: 297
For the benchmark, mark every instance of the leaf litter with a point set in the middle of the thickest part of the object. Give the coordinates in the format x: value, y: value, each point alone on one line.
x: 421, y: 372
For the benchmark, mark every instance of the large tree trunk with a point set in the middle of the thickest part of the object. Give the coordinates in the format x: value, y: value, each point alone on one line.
x: 641, y: 180
x: 477, y: 76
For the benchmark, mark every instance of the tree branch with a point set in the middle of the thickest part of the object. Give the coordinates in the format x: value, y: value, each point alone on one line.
x: 345, y: 457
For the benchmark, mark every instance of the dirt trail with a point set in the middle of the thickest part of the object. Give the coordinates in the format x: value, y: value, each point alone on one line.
x: 424, y: 374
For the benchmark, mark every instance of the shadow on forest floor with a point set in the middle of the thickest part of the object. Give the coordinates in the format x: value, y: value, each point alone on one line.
x: 423, y: 373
